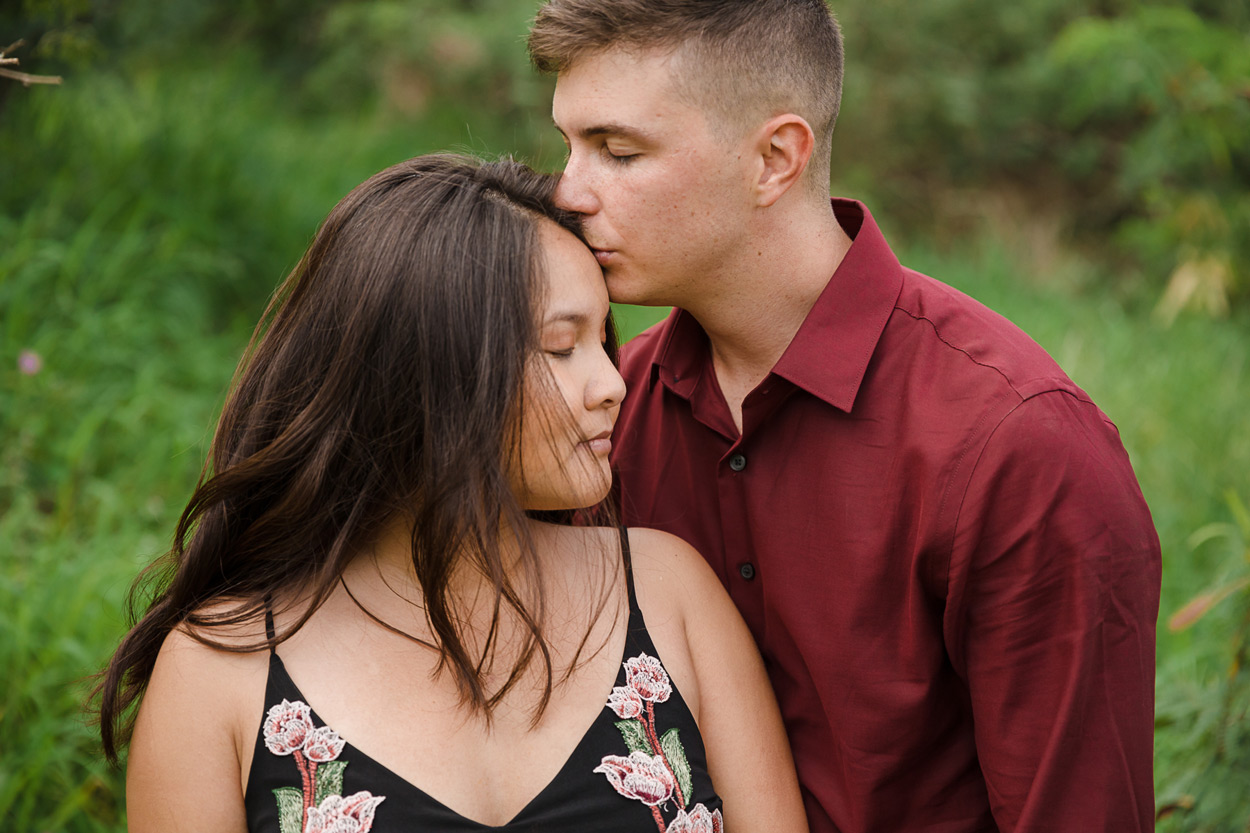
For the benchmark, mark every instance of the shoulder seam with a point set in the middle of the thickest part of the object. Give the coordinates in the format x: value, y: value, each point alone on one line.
x: 938, y: 334
x: 1060, y: 383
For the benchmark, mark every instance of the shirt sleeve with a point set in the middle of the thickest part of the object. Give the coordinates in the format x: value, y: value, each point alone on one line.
x: 1053, y: 594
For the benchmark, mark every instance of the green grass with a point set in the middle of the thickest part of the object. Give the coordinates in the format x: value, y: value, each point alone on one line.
x: 143, y: 223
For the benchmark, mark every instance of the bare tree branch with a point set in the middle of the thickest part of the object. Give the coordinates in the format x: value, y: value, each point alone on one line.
x: 24, y: 77
x: 27, y: 79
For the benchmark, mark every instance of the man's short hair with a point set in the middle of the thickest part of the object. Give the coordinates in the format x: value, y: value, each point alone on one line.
x: 741, y: 61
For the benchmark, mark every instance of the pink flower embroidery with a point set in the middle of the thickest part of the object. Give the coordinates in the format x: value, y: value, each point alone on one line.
x: 698, y: 820
x: 323, y: 744
x: 337, y: 814
x: 647, y: 676
x: 287, y: 726
x: 288, y: 730
x: 639, y: 776
x: 625, y: 702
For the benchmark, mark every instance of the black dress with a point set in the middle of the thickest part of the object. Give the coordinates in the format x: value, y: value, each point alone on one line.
x: 640, y: 767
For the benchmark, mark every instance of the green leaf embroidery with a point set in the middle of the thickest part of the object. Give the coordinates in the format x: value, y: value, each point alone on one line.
x: 290, y: 809
x: 635, y: 736
x: 675, y: 753
x: 329, y: 780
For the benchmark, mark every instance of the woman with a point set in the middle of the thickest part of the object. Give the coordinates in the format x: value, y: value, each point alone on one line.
x: 378, y: 613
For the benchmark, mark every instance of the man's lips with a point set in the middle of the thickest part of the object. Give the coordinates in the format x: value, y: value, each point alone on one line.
x: 604, y: 256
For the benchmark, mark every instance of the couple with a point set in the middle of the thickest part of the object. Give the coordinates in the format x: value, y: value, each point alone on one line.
x: 403, y: 570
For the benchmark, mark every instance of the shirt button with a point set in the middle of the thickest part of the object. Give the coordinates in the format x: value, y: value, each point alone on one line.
x: 747, y: 570
x: 738, y: 462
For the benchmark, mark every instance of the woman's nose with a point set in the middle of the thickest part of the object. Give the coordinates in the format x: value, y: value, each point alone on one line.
x: 608, y: 387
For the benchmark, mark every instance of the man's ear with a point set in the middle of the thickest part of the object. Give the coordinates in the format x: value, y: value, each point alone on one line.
x: 784, y: 144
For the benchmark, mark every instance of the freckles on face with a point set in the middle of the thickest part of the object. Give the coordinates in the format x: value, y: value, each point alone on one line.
x: 662, y: 199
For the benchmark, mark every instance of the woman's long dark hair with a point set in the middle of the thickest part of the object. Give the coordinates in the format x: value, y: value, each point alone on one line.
x: 385, y: 380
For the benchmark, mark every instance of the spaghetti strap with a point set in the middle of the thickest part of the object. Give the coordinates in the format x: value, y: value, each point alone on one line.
x: 269, y: 632
x: 629, y: 568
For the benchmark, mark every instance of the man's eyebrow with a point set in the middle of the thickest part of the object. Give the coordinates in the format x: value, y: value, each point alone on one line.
x: 609, y: 129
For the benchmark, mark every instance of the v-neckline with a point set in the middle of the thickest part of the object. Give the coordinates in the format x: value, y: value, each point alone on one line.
x: 275, y: 661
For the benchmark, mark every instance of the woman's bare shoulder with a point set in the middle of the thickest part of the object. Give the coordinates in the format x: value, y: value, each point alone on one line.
x: 211, y: 662
x: 722, y: 670
x: 669, y: 568
x: 206, y: 693
x: 677, y: 593
x: 216, y: 671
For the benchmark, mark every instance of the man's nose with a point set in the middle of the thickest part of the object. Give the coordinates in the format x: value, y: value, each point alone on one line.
x: 573, y: 192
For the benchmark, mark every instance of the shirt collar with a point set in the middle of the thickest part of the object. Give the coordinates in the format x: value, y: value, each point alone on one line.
x: 682, y: 355
x: 829, y: 354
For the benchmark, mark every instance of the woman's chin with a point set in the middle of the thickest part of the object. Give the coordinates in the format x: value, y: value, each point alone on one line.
x: 573, y: 501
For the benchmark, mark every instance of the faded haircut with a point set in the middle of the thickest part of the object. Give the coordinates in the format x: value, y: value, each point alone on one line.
x: 741, y: 61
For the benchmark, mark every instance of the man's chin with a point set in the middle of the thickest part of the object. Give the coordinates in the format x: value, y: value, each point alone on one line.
x: 623, y: 291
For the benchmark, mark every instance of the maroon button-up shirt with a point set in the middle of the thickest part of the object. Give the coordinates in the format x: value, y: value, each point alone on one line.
x: 938, y: 543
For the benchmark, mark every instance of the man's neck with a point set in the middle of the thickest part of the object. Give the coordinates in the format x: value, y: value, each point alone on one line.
x: 758, y: 308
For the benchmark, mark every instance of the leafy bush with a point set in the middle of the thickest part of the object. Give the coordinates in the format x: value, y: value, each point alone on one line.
x: 1160, y: 100
x: 1128, y: 120
x: 456, y: 61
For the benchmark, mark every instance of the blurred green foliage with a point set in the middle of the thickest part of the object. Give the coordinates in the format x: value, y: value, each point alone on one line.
x: 1072, y: 163
x: 1204, y: 730
x: 1171, y: 127
x: 1128, y: 119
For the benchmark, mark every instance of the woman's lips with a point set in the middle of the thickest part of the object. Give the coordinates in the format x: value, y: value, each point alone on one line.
x: 600, y: 444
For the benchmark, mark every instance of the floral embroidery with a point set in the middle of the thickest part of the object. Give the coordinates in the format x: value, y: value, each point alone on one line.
x: 343, y: 815
x: 647, y: 677
x: 318, y: 805
x: 656, y: 769
x: 639, y: 776
x: 287, y: 726
x: 323, y: 745
x: 699, y: 820
x: 625, y: 702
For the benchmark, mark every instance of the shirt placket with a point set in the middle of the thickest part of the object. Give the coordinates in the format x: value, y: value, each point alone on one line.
x: 739, y: 472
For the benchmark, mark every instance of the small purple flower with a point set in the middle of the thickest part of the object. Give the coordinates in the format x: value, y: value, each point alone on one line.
x: 29, y: 363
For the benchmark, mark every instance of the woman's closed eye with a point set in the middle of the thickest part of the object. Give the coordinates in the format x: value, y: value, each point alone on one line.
x: 560, y: 340
x: 562, y: 336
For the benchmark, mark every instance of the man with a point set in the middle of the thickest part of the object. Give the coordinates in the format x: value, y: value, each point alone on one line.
x: 934, y: 535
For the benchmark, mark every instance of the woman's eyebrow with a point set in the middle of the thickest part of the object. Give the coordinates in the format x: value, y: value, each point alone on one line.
x: 569, y: 316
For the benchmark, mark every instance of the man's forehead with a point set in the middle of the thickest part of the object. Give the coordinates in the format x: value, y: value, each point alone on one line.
x: 615, y: 92
x: 624, y: 58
